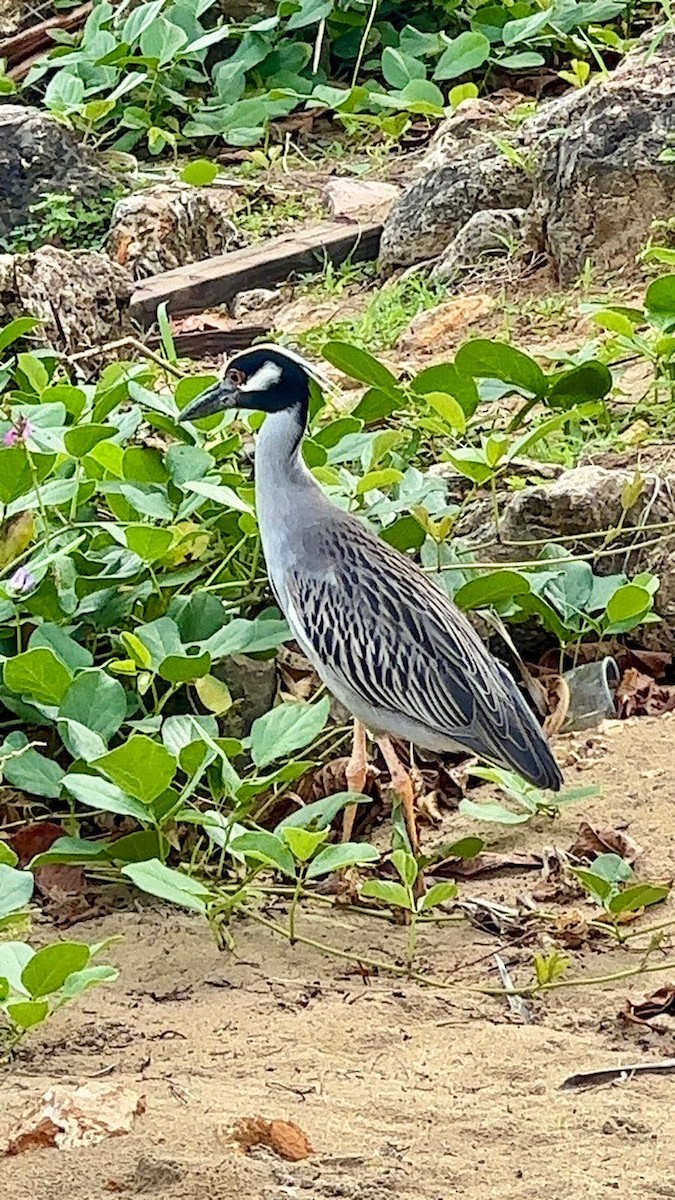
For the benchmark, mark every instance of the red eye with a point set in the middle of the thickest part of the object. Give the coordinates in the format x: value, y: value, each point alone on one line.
x: 236, y: 377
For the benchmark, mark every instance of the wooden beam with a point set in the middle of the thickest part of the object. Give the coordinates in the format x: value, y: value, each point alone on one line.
x: 23, y: 49
x: 215, y: 281
x: 209, y: 343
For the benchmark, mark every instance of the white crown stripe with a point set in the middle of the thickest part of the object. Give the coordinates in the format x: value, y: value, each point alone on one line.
x: 309, y: 367
x: 264, y: 378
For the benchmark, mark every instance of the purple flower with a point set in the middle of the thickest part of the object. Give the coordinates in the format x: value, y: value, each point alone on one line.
x: 22, y: 581
x: 19, y: 433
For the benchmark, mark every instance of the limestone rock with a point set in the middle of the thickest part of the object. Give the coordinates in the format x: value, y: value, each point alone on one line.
x: 39, y: 155
x: 14, y: 15
x: 488, y: 234
x: 163, y: 227
x: 601, y: 183
x: 253, y: 684
x: 578, y: 503
x: 436, y: 329
x: 253, y: 301
x: 435, y: 207
x: 364, y: 199
x: 80, y: 296
x: 587, y: 165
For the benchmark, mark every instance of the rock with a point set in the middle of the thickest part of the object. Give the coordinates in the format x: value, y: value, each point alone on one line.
x: 432, y: 330
x: 164, y: 227
x: 469, y: 126
x: 601, y: 184
x: 80, y: 296
x: 578, y: 503
x: 256, y: 298
x: 492, y: 233
x: 430, y: 213
x: 587, y: 165
x: 39, y: 155
x: 366, y: 199
x: 14, y: 15
x: 253, y: 683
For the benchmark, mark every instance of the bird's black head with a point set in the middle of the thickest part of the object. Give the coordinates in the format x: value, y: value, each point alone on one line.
x: 268, y: 378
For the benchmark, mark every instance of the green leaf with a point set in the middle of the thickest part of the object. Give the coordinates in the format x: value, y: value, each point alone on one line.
x: 82, y: 981
x: 141, y: 768
x: 8, y: 858
x: 138, y: 847
x: 162, y: 40
x: 97, y: 701
x: 241, y: 636
x: 358, y: 364
x: 406, y: 866
x: 492, y: 812
x: 136, y: 650
x: 467, y: 847
x: 486, y: 359
x: 55, y: 638
x: 321, y: 813
x: 440, y: 893
x: 214, y: 694
x: 49, y: 968
x: 310, y: 13
x: 266, y: 848
x: 162, y: 639
x: 149, y: 542
x: 38, y: 675
x: 302, y: 843
x: 660, y: 301
x: 592, y: 882
x: 628, y: 606
x: 13, y: 958
x: 472, y: 464
x: 288, y: 727
x: 79, y: 741
x: 393, y: 894
x: 220, y: 493
x: 463, y: 54
x: 16, y: 329
x: 69, y: 850
x: 336, y: 858
x: 153, y: 877
x: 31, y: 771
x: 184, y: 668
x: 27, y: 1013
x: 589, y: 381
x: 491, y: 589
x: 641, y: 895
x: 81, y: 439
x: 448, y: 408
x: 200, y: 172
x: 378, y: 480
x: 106, y: 797
x: 16, y: 889
x: 399, y: 68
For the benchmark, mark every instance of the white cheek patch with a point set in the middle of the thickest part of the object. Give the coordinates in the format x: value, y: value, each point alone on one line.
x: 264, y: 378
x: 310, y: 368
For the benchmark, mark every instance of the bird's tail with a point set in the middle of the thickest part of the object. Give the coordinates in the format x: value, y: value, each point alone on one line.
x: 528, y: 753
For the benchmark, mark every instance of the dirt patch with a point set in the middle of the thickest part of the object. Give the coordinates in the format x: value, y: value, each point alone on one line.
x: 403, y: 1091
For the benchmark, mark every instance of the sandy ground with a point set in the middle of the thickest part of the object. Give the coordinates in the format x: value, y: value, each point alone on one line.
x: 404, y: 1091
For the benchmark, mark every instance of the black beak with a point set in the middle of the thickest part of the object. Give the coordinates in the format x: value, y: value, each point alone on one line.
x: 217, y: 398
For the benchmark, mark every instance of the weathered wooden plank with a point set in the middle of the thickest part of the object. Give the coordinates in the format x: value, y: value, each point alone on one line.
x: 24, y: 48
x: 215, y: 281
x: 207, y: 343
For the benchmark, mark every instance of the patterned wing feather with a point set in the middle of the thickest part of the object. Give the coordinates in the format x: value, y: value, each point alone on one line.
x: 388, y: 633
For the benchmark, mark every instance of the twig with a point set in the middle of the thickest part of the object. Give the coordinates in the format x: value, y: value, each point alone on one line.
x: 121, y: 344
x: 664, y: 1066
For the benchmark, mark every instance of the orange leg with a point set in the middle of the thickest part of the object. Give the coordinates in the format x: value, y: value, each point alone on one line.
x: 357, y: 773
x: 402, y: 785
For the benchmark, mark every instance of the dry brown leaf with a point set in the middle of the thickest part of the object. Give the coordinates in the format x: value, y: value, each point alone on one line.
x: 284, y: 1138
x: 67, y: 1117
x: 656, y: 1010
x: 558, y: 703
x: 639, y: 695
x: 486, y: 864
x: 592, y: 841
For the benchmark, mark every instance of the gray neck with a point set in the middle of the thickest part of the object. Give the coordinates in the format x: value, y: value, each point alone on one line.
x: 280, y: 472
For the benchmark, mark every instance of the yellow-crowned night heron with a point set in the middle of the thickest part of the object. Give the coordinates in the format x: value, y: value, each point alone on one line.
x: 382, y: 637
